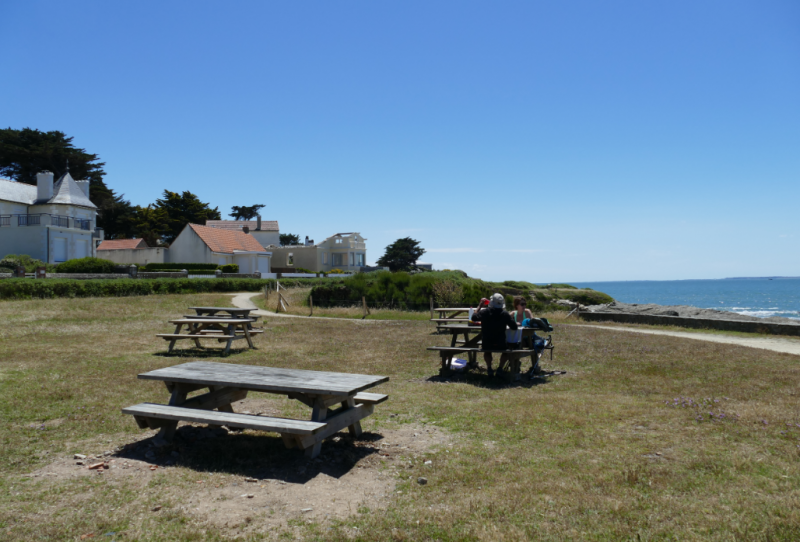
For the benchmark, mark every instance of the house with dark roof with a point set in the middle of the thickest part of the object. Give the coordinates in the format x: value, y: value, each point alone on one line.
x: 265, y: 232
x: 52, y: 221
x: 204, y: 244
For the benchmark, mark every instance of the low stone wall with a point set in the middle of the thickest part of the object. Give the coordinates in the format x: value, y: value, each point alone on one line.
x: 161, y: 275
x: 694, y: 323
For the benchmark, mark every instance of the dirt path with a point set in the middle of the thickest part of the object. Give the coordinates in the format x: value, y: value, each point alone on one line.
x: 243, y: 301
x: 787, y: 346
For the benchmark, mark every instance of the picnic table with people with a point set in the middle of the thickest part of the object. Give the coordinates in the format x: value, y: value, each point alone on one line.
x: 510, y: 335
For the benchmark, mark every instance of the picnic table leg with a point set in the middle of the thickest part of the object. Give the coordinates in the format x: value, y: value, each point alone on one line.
x: 318, y: 414
x: 167, y: 431
x: 173, y: 341
x: 231, y: 334
x: 247, y: 336
x: 355, y: 429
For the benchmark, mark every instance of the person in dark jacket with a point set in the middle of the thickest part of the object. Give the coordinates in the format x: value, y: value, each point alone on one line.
x: 494, y: 320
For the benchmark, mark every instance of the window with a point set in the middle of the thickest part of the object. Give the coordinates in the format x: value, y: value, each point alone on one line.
x: 324, y: 258
x: 290, y: 259
x: 352, y: 258
x: 338, y: 260
x: 339, y: 240
x: 360, y: 260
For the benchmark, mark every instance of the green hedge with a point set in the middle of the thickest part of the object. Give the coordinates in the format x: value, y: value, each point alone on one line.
x: 229, y: 268
x: 179, y: 266
x: 50, y: 288
x: 86, y: 265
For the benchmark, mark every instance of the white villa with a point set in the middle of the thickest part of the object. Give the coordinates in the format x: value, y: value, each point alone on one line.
x: 53, y: 222
x: 345, y: 251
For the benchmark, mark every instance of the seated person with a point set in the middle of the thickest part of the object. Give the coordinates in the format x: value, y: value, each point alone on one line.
x: 524, y: 317
x: 494, y: 319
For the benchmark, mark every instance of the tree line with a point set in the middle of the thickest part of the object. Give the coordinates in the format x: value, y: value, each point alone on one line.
x: 26, y: 152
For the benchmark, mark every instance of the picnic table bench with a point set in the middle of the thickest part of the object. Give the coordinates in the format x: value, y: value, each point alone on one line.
x: 228, y: 383
x: 221, y: 329
x: 223, y: 312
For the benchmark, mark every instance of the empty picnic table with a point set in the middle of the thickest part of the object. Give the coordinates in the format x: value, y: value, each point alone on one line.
x: 221, y: 329
x: 233, y: 312
x: 228, y: 383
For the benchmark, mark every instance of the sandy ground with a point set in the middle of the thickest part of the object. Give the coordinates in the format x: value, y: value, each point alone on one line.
x: 787, y: 346
x: 260, y: 495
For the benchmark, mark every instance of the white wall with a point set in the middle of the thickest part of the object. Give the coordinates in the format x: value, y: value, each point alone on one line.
x: 266, y: 238
x: 139, y: 256
x: 189, y: 248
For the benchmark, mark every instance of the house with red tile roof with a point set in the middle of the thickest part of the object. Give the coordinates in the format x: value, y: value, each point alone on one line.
x: 120, y: 244
x: 128, y: 251
x: 204, y: 244
x: 266, y: 232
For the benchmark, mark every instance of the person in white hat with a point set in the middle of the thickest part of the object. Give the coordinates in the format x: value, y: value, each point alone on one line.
x: 494, y: 320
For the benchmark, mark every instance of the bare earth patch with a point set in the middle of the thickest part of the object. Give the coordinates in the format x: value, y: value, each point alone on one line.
x: 256, y: 496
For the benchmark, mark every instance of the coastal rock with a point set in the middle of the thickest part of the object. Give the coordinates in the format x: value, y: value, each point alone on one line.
x: 684, y: 311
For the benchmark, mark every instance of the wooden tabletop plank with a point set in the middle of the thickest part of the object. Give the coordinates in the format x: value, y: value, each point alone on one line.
x: 201, y: 320
x: 272, y: 379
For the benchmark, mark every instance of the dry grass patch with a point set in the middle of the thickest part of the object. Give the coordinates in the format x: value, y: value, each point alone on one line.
x: 601, y: 453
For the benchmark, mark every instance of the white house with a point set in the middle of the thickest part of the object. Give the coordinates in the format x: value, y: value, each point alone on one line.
x: 203, y: 244
x: 345, y: 251
x: 265, y: 232
x: 53, y: 222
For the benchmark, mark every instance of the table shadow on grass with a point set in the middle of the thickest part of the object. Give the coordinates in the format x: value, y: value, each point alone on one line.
x: 201, y: 353
x: 482, y: 380
x: 258, y: 456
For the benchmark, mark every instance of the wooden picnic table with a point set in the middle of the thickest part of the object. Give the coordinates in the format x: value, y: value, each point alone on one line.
x: 233, y: 312
x: 228, y: 383
x: 472, y: 346
x: 221, y: 329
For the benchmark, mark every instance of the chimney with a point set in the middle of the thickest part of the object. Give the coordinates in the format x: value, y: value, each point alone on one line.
x: 44, y: 185
x: 245, y: 229
x: 258, y: 222
x: 84, y: 185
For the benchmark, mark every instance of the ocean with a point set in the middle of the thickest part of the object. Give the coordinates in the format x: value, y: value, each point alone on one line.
x: 762, y: 297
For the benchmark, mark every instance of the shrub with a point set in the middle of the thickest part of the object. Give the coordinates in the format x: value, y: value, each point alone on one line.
x: 229, y: 268
x: 447, y: 293
x: 11, y: 261
x: 336, y: 272
x: 86, y: 265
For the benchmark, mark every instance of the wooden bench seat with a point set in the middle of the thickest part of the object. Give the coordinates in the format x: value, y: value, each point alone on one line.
x: 460, y: 349
x: 148, y: 414
x: 178, y: 337
x: 238, y: 331
x: 370, y: 398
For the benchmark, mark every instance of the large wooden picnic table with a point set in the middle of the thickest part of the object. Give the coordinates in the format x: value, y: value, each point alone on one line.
x: 228, y: 383
x: 223, y: 312
x: 221, y: 329
x: 471, y: 345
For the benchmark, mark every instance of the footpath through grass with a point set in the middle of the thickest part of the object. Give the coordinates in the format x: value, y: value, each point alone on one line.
x: 645, y: 438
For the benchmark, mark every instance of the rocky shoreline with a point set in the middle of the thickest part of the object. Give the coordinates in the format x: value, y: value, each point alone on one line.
x: 683, y: 311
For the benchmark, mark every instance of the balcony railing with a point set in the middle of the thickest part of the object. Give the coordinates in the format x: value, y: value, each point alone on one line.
x: 60, y: 221
x: 5, y: 221
x: 82, y: 224
x: 28, y: 220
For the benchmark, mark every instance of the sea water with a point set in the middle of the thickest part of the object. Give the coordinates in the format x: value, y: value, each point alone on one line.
x: 762, y: 297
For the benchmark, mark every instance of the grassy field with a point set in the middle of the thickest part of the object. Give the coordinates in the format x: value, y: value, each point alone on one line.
x: 644, y: 438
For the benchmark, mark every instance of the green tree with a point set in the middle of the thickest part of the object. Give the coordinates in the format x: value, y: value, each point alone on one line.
x: 180, y: 209
x: 245, y: 212
x: 402, y: 255
x: 288, y: 239
x: 151, y: 224
x: 26, y: 152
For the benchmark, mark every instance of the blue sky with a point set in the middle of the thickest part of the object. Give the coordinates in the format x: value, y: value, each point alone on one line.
x: 542, y: 141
